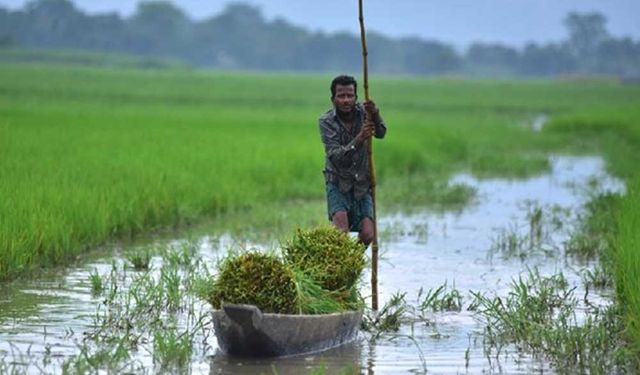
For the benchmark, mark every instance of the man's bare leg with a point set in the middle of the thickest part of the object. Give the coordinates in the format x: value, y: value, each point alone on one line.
x: 366, y: 231
x: 341, y: 221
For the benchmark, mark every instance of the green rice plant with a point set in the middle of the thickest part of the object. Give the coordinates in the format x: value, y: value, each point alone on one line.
x: 170, y: 282
x: 140, y: 259
x: 440, y: 299
x: 96, y: 282
x: 112, y: 283
x: 172, y: 350
x: 584, y: 246
x: 257, y: 279
x: 182, y: 253
x: 421, y: 231
x: 492, y: 165
x: 329, y: 256
x: 535, y: 215
x: 510, y: 243
x: 199, y: 283
x: 598, y: 278
x: 141, y: 312
x: 388, y: 319
x: 626, y: 265
x: 539, y: 317
x: 313, y: 299
x: 111, y: 358
x: 597, y: 230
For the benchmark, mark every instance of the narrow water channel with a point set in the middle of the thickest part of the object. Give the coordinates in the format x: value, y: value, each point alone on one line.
x: 43, y: 322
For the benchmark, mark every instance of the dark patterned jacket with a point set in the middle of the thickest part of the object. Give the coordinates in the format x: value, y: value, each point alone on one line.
x: 346, y: 163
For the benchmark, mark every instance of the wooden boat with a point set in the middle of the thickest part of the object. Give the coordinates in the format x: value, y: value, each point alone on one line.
x: 243, y: 330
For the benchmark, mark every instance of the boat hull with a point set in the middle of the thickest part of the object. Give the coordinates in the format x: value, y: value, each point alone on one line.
x: 243, y: 330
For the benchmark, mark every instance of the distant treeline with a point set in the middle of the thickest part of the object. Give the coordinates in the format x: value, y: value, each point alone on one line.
x: 241, y: 38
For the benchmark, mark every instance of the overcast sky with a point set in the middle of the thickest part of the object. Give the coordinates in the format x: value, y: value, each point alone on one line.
x: 512, y: 22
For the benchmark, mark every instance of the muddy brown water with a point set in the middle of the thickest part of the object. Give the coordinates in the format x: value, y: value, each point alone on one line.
x: 42, y: 321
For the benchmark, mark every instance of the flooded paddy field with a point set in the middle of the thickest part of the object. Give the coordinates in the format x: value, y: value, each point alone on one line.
x: 138, y: 311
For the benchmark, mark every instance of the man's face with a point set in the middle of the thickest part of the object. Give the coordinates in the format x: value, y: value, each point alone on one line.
x: 345, y: 98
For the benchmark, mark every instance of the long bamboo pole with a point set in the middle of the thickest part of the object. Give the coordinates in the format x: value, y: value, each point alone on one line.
x: 372, y: 174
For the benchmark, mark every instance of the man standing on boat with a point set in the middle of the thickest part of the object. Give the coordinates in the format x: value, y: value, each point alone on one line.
x: 344, y: 131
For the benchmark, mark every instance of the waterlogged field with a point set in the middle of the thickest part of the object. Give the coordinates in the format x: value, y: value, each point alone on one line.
x: 92, y: 156
x: 87, y: 155
x: 462, y: 293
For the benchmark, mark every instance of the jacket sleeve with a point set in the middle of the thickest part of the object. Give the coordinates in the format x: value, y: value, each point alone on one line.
x: 381, y: 128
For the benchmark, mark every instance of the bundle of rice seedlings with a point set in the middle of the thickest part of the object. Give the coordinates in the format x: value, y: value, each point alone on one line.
x: 331, y: 258
x: 257, y: 279
x: 313, y: 299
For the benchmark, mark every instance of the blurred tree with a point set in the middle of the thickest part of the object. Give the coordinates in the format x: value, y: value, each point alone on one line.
x: 429, y: 57
x: 385, y: 54
x: 547, y: 60
x: 105, y: 32
x: 492, y: 59
x: 232, y: 36
x: 6, y: 41
x: 158, y: 28
x: 620, y: 57
x: 52, y: 21
x: 5, y: 28
x: 240, y: 37
x: 586, y: 32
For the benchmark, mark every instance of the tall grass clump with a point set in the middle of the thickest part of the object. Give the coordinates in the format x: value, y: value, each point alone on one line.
x: 258, y: 279
x: 147, y: 313
x: 614, y: 131
x: 597, y: 230
x: 539, y: 317
x: 627, y: 265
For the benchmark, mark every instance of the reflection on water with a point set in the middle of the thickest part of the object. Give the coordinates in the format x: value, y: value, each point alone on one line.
x: 346, y: 359
x: 42, y: 321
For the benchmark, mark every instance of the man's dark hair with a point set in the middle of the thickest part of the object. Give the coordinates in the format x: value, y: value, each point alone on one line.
x: 343, y: 80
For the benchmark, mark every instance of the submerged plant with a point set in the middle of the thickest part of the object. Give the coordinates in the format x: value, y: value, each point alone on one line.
x: 154, y: 311
x: 584, y: 246
x: 388, y: 319
x: 440, y: 299
x: 96, y: 282
x: 140, y: 259
x: 510, y: 243
x: 539, y: 316
x: 597, y: 278
x: 257, y: 279
x: 596, y: 232
x: 172, y: 349
x: 535, y: 225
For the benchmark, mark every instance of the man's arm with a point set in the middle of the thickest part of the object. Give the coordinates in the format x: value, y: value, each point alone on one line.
x: 338, y: 154
x: 380, y: 127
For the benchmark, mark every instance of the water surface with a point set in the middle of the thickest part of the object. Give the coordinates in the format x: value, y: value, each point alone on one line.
x: 43, y: 321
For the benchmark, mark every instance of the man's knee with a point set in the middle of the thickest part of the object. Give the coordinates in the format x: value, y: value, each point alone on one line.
x: 341, y: 220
